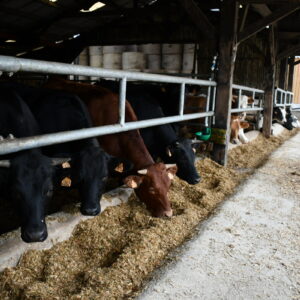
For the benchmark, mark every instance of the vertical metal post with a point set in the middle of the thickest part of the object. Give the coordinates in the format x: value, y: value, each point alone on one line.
x: 181, y: 99
x: 253, y: 96
x: 207, y: 105
x: 239, y: 98
x: 285, y: 98
x: 122, y: 99
x: 214, y: 104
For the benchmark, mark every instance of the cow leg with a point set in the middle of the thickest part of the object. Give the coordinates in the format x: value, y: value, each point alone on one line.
x: 89, y: 169
x: 242, y: 136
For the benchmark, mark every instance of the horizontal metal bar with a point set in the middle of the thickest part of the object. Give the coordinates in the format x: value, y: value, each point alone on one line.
x: 237, y: 110
x: 16, y: 145
x: 283, y: 105
x: 246, y: 88
x: 14, y: 64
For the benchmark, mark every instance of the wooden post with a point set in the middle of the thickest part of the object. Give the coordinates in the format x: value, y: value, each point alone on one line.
x: 270, y: 67
x: 291, y: 73
x: 227, y: 55
x: 282, y: 73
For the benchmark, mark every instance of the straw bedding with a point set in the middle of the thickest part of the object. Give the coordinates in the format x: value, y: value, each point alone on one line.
x: 111, y: 255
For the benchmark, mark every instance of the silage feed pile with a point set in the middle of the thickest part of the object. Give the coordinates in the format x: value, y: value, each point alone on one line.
x: 111, y: 255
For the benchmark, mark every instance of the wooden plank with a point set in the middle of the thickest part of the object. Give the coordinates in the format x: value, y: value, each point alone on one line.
x: 227, y: 54
x: 270, y: 66
x: 198, y: 18
x: 270, y: 19
x: 290, y: 50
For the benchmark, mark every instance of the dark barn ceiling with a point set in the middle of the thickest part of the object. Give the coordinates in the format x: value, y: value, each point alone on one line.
x: 59, y: 30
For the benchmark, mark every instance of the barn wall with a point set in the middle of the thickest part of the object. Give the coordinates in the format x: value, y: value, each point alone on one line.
x: 296, y: 83
x: 250, y: 63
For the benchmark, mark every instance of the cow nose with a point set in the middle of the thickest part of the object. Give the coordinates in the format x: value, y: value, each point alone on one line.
x: 32, y: 236
x: 168, y: 213
x: 90, y: 211
x: 195, y: 180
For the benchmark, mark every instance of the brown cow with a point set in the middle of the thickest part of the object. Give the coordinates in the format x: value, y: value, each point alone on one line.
x: 153, y: 179
x: 237, y: 126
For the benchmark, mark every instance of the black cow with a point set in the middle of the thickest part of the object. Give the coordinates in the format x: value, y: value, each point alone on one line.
x: 279, y: 115
x: 161, y: 141
x: 291, y: 120
x: 58, y: 111
x: 26, y: 176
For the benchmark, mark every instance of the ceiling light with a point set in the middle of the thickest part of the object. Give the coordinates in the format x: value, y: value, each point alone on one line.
x: 38, y: 48
x: 76, y: 35
x: 52, y: 0
x: 10, y: 41
x: 215, y: 9
x: 241, y: 6
x: 21, y: 53
x: 94, y: 7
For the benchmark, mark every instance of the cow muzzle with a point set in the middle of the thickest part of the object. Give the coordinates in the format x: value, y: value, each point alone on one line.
x: 33, y: 236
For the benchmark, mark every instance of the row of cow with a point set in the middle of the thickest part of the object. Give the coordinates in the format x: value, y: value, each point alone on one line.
x: 240, y: 122
x: 29, y: 177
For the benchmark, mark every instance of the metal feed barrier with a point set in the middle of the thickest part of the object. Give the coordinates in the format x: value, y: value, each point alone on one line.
x: 256, y: 93
x: 12, y: 64
x: 283, y: 98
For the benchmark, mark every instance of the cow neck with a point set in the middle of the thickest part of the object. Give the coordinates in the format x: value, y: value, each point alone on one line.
x: 139, y: 156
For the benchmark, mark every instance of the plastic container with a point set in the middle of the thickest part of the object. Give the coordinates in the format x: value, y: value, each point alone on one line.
x: 204, y: 135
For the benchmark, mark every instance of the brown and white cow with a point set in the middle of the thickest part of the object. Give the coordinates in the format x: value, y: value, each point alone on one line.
x: 152, y: 180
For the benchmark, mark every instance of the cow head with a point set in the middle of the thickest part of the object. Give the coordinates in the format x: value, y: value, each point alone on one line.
x: 152, y: 185
x: 32, y: 186
x: 182, y: 153
x: 279, y: 115
x: 89, y: 169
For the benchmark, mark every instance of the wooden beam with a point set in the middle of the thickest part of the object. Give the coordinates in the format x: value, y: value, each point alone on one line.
x: 262, y: 9
x: 291, y: 72
x: 270, y: 19
x: 288, y: 35
x: 283, y: 69
x: 269, y: 83
x: 289, y: 51
x: 199, y: 19
x: 270, y: 1
x: 227, y: 54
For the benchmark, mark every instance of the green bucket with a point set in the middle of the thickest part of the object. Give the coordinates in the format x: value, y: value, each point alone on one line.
x: 204, y: 135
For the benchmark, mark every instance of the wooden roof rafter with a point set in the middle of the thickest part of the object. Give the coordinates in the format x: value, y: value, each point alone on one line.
x: 268, y: 20
x: 290, y: 50
x: 199, y: 19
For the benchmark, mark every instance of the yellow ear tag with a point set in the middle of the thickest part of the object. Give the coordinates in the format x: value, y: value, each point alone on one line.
x: 67, y: 182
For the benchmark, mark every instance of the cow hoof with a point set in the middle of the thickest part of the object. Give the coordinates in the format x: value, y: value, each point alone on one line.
x: 34, y: 236
x: 90, y: 211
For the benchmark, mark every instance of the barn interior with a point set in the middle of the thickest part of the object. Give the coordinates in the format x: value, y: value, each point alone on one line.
x: 255, y: 41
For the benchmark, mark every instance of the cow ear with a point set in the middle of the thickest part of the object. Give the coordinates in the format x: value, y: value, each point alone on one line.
x: 133, y: 181
x: 234, y: 98
x: 172, y: 171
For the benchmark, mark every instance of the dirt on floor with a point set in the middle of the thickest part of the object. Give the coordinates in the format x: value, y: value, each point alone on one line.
x: 111, y: 255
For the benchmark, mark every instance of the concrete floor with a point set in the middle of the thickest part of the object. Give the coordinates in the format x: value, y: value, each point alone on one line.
x: 250, y: 249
